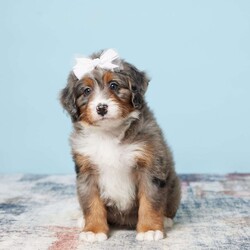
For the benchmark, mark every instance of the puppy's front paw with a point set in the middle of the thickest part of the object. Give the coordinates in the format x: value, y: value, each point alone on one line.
x: 150, y: 235
x: 92, y: 237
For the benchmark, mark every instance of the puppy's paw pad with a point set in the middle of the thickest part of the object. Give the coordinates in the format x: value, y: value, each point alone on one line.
x: 150, y: 235
x: 92, y: 237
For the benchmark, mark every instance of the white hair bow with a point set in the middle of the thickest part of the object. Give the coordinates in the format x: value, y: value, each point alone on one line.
x: 86, y: 65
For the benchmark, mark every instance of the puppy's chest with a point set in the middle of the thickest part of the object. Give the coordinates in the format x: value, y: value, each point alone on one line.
x: 115, y: 162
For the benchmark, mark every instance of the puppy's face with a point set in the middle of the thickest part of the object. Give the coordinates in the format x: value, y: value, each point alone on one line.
x: 103, y: 98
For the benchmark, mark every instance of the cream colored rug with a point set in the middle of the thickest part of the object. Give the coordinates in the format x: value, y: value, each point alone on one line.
x: 42, y: 212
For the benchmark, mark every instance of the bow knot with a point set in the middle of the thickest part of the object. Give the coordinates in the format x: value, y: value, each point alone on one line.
x: 96, y: 61
x: 86, y: 65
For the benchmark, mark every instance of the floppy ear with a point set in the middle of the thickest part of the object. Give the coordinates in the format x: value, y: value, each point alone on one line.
x: 68, y: 98
x: 138, y: 82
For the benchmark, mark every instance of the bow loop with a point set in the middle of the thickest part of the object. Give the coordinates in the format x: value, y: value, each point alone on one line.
x: 86, y: 65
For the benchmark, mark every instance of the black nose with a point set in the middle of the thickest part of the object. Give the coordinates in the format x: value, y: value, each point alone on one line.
x: 102, y: 109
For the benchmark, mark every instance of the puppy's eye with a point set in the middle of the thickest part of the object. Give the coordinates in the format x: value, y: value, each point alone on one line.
x: 113, y: 85
x: 87, y: 91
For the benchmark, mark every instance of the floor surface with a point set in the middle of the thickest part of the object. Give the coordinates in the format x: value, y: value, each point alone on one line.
x: 42, y: 212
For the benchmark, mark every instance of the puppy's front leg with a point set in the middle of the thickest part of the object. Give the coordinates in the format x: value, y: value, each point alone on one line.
x: 150, y: 219
x: 150, y: 225
x: 95, y: 214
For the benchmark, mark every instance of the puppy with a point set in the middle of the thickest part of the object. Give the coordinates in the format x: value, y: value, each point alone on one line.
x: 125, y: 170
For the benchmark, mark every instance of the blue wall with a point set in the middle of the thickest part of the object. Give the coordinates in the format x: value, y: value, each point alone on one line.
x: 197, y: 53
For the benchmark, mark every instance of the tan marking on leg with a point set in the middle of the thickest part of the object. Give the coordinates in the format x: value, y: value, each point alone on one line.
x: 95, y: 213
x: 96, y: 217
x: 107, y: 77
x: 148, y: 217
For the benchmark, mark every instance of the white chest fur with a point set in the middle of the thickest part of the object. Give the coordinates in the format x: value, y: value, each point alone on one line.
x: 114, y: 162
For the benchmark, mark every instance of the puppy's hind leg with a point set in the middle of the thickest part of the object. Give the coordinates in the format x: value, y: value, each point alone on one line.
x: 168, y: 222
x: 173, y: 197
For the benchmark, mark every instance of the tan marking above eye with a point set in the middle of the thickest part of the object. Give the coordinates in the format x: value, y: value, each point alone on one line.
x: 107, y: 77
x: 89, y: 82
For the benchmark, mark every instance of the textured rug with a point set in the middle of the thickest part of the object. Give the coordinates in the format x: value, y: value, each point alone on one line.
x: 41, y: 212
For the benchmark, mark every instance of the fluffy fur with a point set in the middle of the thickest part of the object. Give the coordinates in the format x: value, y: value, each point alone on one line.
x: 125, y: 170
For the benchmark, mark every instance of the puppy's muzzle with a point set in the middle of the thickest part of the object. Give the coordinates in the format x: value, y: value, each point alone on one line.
x: 102, y: 109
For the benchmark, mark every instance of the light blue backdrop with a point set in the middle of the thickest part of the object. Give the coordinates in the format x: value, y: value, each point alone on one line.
x: 197, y: 53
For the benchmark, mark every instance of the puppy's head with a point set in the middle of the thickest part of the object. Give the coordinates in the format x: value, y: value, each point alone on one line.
x: 105, y: 96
